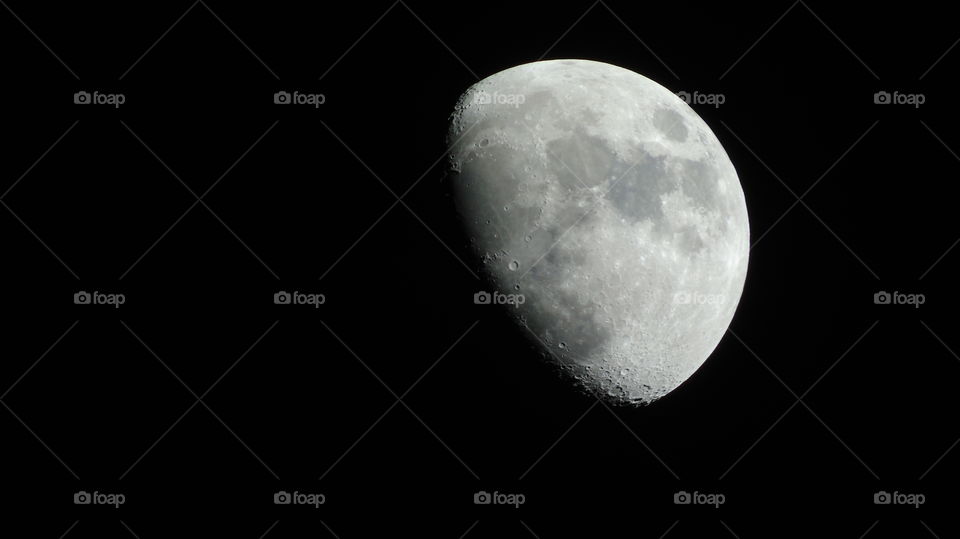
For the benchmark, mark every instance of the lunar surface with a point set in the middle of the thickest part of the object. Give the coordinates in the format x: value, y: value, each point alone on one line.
x: 606, y: 216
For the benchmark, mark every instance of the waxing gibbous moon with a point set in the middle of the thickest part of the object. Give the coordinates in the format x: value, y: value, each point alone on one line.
x: 611, y: 206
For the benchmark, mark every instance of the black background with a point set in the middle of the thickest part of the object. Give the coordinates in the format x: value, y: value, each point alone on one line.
x: 307, y: 399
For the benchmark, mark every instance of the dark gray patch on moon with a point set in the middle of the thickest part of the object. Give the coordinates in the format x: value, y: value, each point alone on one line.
x: 638, y: 187
x: 587, y: 160
x: 699, y: 181
x: 670, y: 123
x: 690, y: 240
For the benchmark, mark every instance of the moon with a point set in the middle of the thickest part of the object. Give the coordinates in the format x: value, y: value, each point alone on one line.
x: 607, y: 218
